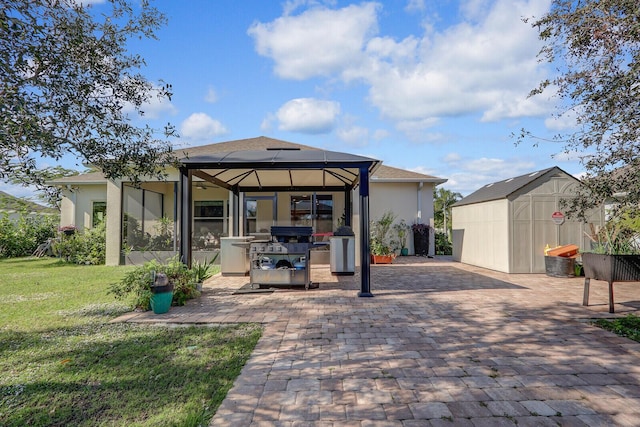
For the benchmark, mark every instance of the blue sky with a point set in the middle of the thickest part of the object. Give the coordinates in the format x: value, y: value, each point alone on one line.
x: 431, y: 86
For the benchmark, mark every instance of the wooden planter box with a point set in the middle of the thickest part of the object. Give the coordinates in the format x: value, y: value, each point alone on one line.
x: 609, y: 268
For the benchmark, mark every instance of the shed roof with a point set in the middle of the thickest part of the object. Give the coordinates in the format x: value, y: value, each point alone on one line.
x: 503, y: 189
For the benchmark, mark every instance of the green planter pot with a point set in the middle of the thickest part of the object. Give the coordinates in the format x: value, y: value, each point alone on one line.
x: 404, y: 251
x: 161, y: 298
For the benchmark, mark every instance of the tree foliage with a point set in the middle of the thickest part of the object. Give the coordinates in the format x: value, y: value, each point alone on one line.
x: 443, y: 199
x: 68, y: 85
x: 595, y: 46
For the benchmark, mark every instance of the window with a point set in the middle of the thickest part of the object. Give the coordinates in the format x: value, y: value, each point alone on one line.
x: 142, y: 215
x: 260, y: 213
x: 208, y: 223
x: 314, y: 210
x: 251, y: 216
x: 98, y: 213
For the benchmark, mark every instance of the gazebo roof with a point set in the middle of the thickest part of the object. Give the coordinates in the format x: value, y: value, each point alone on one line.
x: 280, y: 168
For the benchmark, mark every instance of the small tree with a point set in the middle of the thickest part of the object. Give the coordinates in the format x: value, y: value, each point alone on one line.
x: 595, y: 46
x: 68, y: 85
x: 443, y: 199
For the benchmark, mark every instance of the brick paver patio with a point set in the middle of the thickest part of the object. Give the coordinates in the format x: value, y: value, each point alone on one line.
x: 440, y: 344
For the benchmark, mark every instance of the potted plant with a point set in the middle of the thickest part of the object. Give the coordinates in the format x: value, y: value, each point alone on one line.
x: 402, y: 229
x: 615, y: 258
x: 140, y: 284
x: 421, y: 238
x: 202, y: 271
x: 68, y: 229
x: 380, y: 245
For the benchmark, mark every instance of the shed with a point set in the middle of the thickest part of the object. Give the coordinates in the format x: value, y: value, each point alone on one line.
x: 506, y: 225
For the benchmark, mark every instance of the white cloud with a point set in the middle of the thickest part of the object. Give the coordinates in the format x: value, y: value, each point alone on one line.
x: 485, y: 65
x: 291, y: 6
x: 27, y: 192
x: 416, y: 130
x: 154, y: 107
x: 452, y: 158
x: 423, y: 170
x: 354, y: 135
x: 415, y: 6
x: 199, y: 126
x: 569, y: 156
x: 211, y: 96
x: 308, y: 115
x: 318, y: 42
x: 564, y: 122
x: 267, y: 123
x: 467, y: 68
x: 380, y: 134
x: 471, y: 175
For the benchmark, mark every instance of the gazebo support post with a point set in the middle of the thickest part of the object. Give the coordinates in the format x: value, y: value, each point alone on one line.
x: 365, y: 249
x: 186, y: 227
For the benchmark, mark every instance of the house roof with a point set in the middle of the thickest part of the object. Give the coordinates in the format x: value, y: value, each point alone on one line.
x: 503, y: 189
x: 382, y: 173
x: 85, y: 178
x: 391, y: 174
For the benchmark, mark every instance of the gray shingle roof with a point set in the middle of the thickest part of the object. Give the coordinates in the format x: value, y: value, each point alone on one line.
x: 502, y: 189
x: 382, y: 173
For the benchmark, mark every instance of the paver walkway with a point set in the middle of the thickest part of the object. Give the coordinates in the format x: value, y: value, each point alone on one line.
x: 440, y: 344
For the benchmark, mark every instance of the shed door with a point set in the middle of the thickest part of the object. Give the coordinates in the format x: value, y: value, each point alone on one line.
x: 544, y: 230
x: 532, y: 231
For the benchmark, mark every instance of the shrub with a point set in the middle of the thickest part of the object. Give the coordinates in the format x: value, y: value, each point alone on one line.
x: 21, y: 237
x: 88, y: 247
x: 136, y: 285
x: 380, y: 240
x: 443, y: 245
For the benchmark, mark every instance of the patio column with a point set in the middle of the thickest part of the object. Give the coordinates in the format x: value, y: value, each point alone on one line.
x: 365, y: 249
x: 186, y: 214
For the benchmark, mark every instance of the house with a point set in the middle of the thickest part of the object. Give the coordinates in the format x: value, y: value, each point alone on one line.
x: 506, y: 225
x: 224, y: 193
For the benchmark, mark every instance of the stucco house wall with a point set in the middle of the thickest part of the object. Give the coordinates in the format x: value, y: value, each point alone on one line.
x: 76, y: 207
x: 408, y: 194
x: 411, y: 202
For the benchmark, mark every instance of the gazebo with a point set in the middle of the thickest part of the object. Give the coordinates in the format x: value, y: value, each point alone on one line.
x: 281, y: 169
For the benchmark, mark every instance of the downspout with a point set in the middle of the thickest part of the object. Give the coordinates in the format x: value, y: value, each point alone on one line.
x: 175, y: 215
x: 419, y: 213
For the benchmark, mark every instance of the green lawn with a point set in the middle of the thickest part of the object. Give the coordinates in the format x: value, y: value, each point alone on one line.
x: 628, y: 326
x: 62, y: 363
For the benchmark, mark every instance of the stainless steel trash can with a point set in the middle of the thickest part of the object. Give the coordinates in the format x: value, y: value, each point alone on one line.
x: 342, y: 258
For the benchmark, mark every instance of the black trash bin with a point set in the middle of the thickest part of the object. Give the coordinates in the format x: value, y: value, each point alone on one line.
x: 421, y: 241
